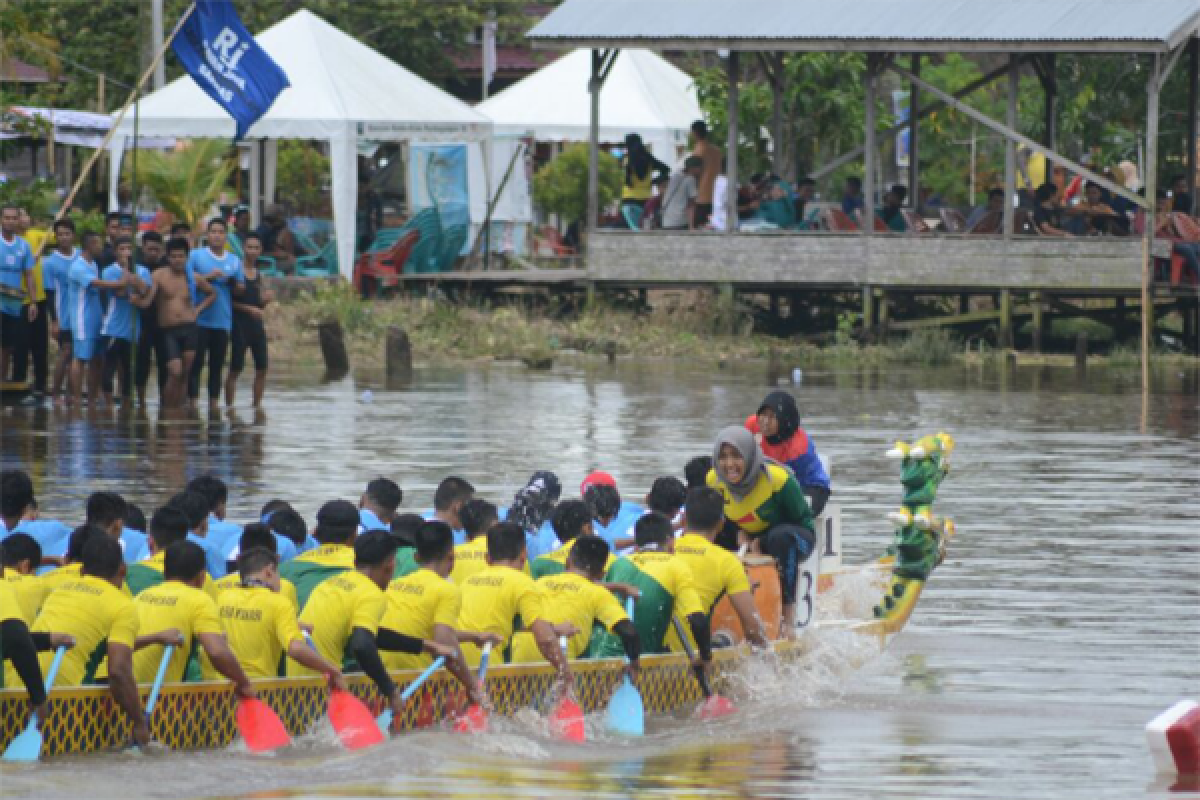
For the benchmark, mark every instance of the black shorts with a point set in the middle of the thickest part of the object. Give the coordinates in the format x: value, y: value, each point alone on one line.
x: 65, y: 338
x: 179, y: 339
x: 252, y: 337
x: 12, y: 331
x: 701, y: 213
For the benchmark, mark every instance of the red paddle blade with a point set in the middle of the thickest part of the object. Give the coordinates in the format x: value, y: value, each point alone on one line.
x: 260, y: 726
x: 473, y: 721
x: 425, y: 710
x: 567, y: 721
x: 353, y: 721
x: 716, y: 706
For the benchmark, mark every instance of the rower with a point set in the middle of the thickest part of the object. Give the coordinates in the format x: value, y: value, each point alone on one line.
x: 195, y: 506
x: 767, y: 504
x: 180, y: 603
x: 716, y: 572
x: 478, y: 516
x: 425, y: 604
x: 493, y: 598
x: 257, y: 535
x: 73, y: 560
x: 22, y: 557
x: 378, y: 504
x: 168, y: 525
x: 106, y: 510
x: 344, y: 613
x: 337, y: 526
x: 571, y: 520
x: 103, y: 621
x: 260, y: 623
x: 575, y: 598
x: 449, y: 498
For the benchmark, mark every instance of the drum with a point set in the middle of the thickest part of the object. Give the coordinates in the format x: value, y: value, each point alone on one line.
x: 768, y: 599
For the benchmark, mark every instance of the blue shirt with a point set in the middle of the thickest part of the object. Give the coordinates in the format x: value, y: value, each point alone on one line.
x: 55, y: 269
x: 231, y: 548
x: 621, y: 526
x: 48, y: 533
x: 87, y: 315
x: 120, y: 319
x: 133, y: 545
x: 221, y: 531
x: 536, y: 544
x: 16, y: 259
x: 213, y: 557
x: 460, y: 537
x: 370, y: 521
x: 203, y: 262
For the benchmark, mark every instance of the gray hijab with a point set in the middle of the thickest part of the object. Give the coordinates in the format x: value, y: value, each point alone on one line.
x: 744, y: 442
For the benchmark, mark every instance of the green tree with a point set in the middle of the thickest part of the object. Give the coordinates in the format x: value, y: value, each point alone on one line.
x: 560, y: 187
x: 187, y: 182
x: 302, y: 174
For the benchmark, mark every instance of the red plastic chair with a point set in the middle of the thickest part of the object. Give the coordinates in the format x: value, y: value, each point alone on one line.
x: 381, y: 270
x: 549, y: 237
x: 838, y: 221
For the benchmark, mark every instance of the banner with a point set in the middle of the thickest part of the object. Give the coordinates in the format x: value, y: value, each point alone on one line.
x: 225, y: 61
x: 438, y: 179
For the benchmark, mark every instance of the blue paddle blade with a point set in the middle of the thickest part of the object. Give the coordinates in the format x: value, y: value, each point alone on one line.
x: 27, y: 746
x: 626, y: 712
x: 384, y: 721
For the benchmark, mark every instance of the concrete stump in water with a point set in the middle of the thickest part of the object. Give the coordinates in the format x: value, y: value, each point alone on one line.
x: 333, y: 349
x: 398, y: 357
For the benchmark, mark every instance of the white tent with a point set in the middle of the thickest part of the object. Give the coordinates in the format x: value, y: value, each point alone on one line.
x: 644, y: 94
x: 341, y: 92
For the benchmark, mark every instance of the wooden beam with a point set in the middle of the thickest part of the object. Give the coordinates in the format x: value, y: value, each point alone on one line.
x: 731, y: 153
x: 1050, y: 109
x: 850, y: 155
x: 946, y: 321
x: 593, y: 188
x: 1192, y: 111
x: 871, y: 152
x: 914, y: 144
x: 1006, y: 319
x: 1035, y: 300
x: 1153, y: 85
x: 1010, y: 149
x: 1004, y: 130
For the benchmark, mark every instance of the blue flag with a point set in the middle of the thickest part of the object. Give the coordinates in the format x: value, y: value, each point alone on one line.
x: 223, y: 58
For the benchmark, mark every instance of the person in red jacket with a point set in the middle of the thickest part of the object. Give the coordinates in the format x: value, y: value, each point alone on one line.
x: 776, y: 425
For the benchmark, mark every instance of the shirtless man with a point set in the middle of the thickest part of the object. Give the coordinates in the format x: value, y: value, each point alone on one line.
x: 176, y: 315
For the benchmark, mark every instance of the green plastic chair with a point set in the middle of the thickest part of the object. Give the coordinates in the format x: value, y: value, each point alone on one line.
x: 319, y: 265
x: 423, y: 257
x: 633, y: 216
x: 268, y: 267
x: 385, y: 238
x: 453, y: 239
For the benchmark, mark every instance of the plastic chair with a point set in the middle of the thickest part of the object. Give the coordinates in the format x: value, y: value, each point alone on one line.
x: 633, y: 216
x: 320, y: 264
x: 267, y: 266
x: 990, y: 223
x: 916, y: 223
x: 381, y: 269
x: 838, y: 221
x: 423, y: 257
x: 551, y: 238
x: 453, y: 239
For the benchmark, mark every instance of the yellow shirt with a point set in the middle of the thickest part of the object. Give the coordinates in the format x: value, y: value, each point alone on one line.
x: 416, y: 604
x: 10, y: 607
x: 715, y: 570
x: 30, y: 592
x: 491, y: 601
x: 559, y: 556
x: 37, y: 239
x: 334, y: 609
x: 469, y: 559
x: 570, y: 598
x: 171, y: 605
x: 158, y: 563
x: 234, y: 581
x: 674, y: 575
x: 260, y: 625
x: 57, y: 577
x: 97, y: 614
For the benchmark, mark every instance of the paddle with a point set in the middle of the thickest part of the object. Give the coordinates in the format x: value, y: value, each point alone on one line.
x: 28, y: 745
x: 714, y: 705
x: 475, y: 719
x: 260, y: 726
x: 384, y: 720
x: 351, y: 719
x: 626, y: 711
x: 567, y: 718
x: 152, y: 700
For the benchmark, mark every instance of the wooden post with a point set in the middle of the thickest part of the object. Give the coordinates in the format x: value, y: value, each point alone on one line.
x: 1151, y: 179
x: 1010, y: 148
x: 870, y: 152
x: 593, y: 198
x: 1192, y: 111
x: 1006, y: 323
x: 1035, y: 300
x: 398, y: 356
x: 868, y: 312
x: 100, y: 104
x: 1050, y: 109
x: 777, y: 114
x: 333, y: 349
x: 885, y: 305
x: 1081, y: 350
x: 725, y: 308
x: 964, y: 303
x: 731, y: 152
x: 914, y: 158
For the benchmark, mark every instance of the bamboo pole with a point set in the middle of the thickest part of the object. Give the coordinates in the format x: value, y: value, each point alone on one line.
x: 87, y: 168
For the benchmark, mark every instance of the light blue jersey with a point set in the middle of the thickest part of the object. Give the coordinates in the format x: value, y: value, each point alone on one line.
x: 134, y: 545
x: 16, y: 259
x: 87, y: 314
x: 204, y: 262
x: 120, y: 318
x: 212, y: 556
x: 56, y: 269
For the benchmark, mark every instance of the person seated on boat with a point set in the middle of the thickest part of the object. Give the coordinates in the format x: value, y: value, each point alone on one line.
x: 695, y: 472
x: 168, y: 525
x: 257, y: 535
x: 344, y: 616
x: 531, y: 508
x: 716, y: 572
x: 667, y: 495
x: 571, y: 520
x: 378, y: 504
x: 19, y: 512
x: 180, y: 603
x: 493, y: 599
x: 665, y: 585
x: 216, y: 493
x: 478, y: 516
x: 605, y: 503
x: 337, y: 525
x: 768, y: 506
x: 288, y: 524
x: 776, y: 426
x: 576, y: 597
x: 107, y: 510
x: 102, y: 620
x: 404, y: 529
x: 20, y: 649
x: 72, y: 565
x: 195, y: 506
x: 260, y: 623
x: 426, y: 605
x: 449, y: 498
x: 614, y: 517
x: 22, y: 557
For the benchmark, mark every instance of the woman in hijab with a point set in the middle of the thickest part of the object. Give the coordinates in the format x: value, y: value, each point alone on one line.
x: 764, y: 501
x: 777, y: 428
x: 531, y: 508
x: 640, y: 167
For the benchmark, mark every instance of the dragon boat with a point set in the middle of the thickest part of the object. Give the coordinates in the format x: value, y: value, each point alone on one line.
x: 196, y: 716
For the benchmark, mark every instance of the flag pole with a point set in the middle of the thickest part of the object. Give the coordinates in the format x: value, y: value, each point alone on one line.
x: 162, y: 51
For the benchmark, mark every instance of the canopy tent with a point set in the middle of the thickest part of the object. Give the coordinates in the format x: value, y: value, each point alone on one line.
x: 644, y: 94
x: 341, y: 92
x: 76, y: 128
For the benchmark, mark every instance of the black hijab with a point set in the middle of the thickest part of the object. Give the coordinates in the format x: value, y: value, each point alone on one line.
x: 784, y: 406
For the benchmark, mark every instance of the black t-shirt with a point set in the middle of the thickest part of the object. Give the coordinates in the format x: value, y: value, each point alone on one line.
x: 1045, y: 216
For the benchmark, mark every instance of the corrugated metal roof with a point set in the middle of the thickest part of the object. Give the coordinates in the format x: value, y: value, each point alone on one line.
x: 1002, y: 25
